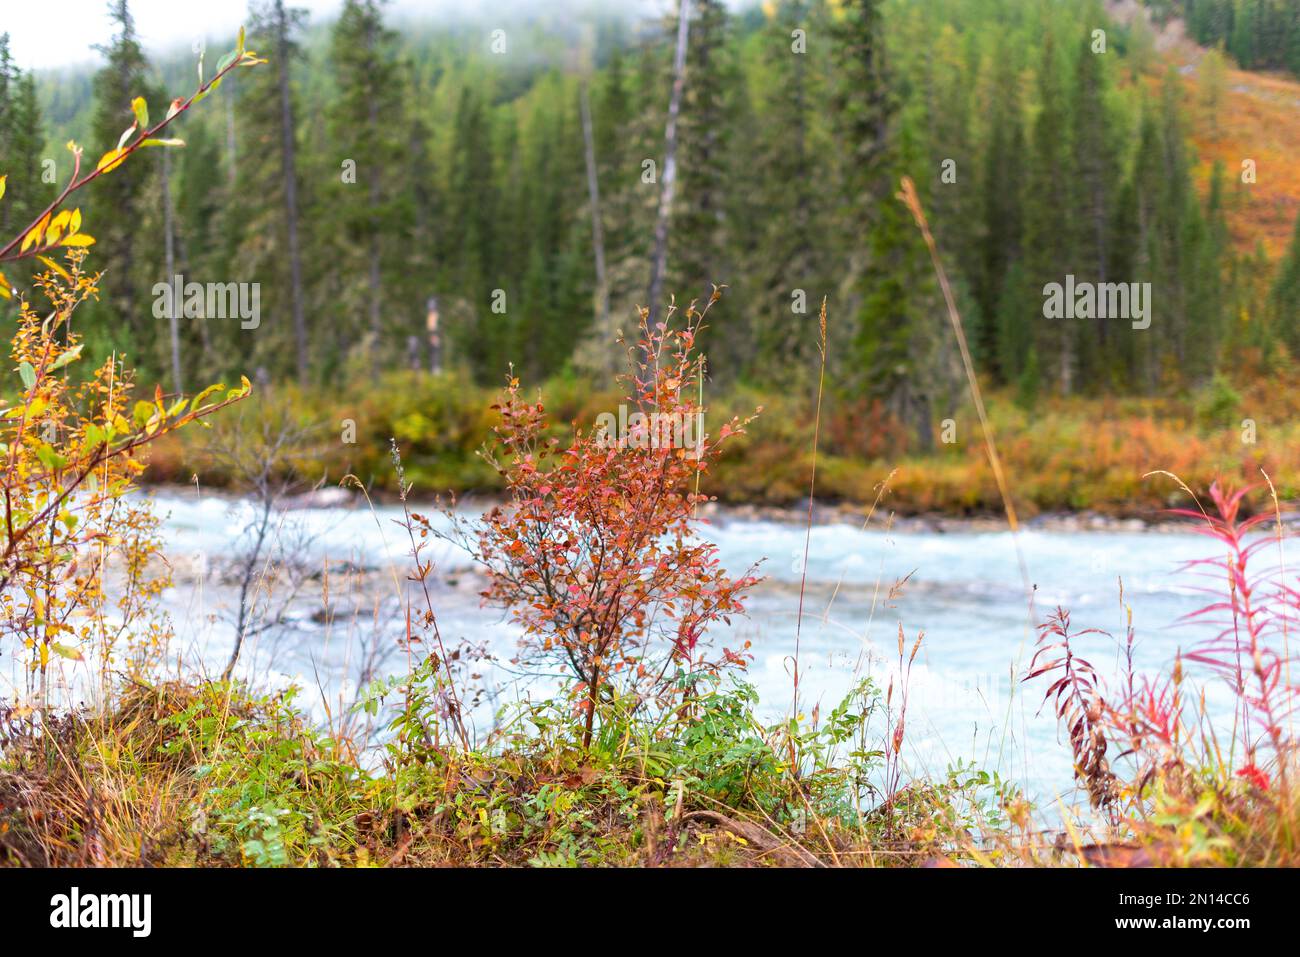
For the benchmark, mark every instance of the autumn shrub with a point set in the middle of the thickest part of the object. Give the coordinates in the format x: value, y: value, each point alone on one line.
x: 71, y: 450
x: 595, y: 551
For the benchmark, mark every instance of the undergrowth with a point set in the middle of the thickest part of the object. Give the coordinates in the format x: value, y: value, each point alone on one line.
x: 212, y: 775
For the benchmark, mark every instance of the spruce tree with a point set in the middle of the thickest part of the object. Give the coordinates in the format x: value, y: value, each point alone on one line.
x: 129, y: 256
x: 788, y: 254
x: 1284, y: 298
x: 473, y: 232
x: 270, y: 201
x: 366, y: 123
x: 1049, y: 240
x: 1095, y: 165
x: 22, y: 141
x: 901, y: 340
x: 698, y: 246
x: 1003, y: 333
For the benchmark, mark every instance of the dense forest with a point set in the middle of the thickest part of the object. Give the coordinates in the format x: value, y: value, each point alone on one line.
x: 373, y: 175
x: 1259, y: 34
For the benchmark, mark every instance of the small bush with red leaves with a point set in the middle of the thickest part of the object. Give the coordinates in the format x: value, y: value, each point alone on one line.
x: 596, y: 551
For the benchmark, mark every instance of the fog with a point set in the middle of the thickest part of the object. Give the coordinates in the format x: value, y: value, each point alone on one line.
x: 40, y: 41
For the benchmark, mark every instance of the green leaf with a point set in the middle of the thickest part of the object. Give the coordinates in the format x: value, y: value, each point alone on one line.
x: 63, y: 651
x: 203, y: 95
x: 70, y: 356
x: 210, y: 390
x: 27, y: 374
x: 51, y: 459
x: 226, y: 60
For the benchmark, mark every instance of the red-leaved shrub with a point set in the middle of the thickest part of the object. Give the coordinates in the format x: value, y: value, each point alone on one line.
x: 596, y: 552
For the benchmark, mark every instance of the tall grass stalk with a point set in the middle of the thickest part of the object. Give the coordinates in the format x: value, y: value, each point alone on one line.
x: 812, y: 489
x: 912, y: 201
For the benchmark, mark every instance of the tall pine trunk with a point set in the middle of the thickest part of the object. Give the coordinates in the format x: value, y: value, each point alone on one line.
x: 289, y: 166
x: 375, y: 281
x: 169, y: 245
x: 670, y: 160
x: 232, y: 165
x: 597, y: 230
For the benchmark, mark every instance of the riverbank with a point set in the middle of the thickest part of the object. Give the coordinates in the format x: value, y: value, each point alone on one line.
x: 725, y: 513
x: 1090, y: 460
x: 365, y: 766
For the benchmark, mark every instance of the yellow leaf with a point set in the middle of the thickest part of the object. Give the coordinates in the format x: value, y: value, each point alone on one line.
x: 4, y: 287
x: 111, y: 160
x: 141, y: 110
x: 79, y: 239
x: 2, y: 185
x: 34, y: 234
x: 55, y: 229
x: 55, y: 266
x: 75, y: 224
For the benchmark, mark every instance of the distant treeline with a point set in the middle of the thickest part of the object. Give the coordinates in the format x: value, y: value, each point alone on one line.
x: 1259, y: 34
x: 367, y: 171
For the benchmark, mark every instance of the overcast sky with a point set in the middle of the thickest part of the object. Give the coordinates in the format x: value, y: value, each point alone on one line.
x: 64, y: 31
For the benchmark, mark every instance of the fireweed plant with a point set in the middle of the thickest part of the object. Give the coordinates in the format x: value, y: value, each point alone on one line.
x: 1146, y: 750
x: 596, y: 552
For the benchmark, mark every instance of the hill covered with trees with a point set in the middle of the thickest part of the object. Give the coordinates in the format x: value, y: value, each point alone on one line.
x: 382, y: 170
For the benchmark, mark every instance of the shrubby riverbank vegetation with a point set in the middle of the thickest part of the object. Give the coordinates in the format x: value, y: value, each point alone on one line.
x: 652, y: 753
x: 1066, y: 455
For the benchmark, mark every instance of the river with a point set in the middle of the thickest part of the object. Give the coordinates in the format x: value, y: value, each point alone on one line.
x: 962, y: 588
